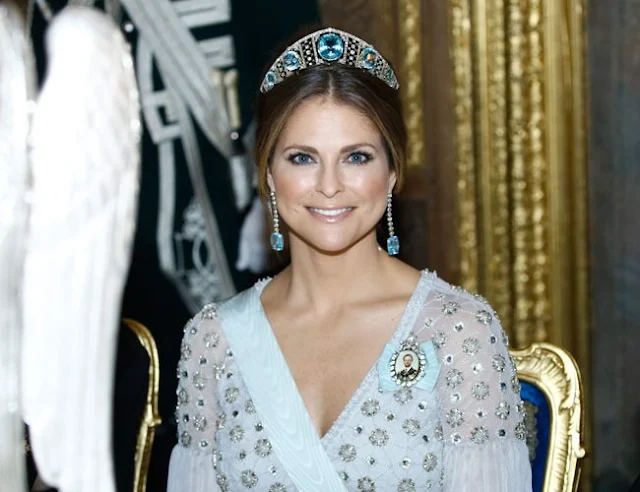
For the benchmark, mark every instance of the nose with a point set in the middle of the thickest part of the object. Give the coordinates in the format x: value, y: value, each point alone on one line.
x: 329, y: 181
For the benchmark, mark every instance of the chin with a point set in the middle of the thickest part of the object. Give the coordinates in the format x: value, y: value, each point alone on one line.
x: 333, y: 247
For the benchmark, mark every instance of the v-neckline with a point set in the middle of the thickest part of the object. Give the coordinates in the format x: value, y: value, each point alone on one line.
x: 401, y: 331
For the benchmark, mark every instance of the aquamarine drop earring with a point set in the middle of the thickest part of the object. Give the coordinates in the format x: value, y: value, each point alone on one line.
x: 276, y: 240
x: 393, y: 243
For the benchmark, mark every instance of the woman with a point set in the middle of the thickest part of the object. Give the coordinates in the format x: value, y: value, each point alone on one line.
x: 349, y: 370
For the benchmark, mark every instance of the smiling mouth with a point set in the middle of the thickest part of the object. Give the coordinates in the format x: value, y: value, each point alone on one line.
x: 330, y: 212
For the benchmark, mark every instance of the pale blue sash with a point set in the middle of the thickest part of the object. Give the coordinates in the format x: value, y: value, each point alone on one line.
x: 275, y: 394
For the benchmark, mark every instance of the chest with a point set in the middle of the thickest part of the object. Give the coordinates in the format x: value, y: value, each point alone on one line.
x: 329, y: 357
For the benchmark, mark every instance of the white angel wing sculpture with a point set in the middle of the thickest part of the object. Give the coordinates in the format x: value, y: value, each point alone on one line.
x: 16, y: 91
x: 85, y: 158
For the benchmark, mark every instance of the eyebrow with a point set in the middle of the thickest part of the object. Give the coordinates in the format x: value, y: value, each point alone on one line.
x: 313, y: 150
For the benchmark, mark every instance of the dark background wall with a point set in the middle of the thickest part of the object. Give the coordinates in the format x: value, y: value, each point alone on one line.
x: 614, y: 80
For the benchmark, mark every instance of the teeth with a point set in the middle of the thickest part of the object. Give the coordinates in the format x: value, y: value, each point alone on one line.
x: 332, y: 212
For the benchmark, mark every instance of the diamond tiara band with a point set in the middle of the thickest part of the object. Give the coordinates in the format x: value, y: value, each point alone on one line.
x: 328, y: 46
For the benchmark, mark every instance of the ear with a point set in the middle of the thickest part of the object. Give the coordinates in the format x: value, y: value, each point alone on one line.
x: 270, y: 182
x: 392, y: 181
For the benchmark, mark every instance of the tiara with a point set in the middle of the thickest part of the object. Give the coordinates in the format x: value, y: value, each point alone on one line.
x: 328, y: 46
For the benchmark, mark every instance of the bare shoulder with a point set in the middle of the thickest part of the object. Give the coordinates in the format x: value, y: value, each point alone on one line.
x: 402, y: 278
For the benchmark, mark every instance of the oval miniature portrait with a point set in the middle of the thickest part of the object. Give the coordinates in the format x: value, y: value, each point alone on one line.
x: 407, y: 366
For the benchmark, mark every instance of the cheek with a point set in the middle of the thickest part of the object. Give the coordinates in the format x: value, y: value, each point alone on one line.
x: 372, y: 186
x: 291, y: 186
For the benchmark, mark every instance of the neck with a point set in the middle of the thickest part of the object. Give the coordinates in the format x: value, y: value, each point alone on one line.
x: 323, y: 281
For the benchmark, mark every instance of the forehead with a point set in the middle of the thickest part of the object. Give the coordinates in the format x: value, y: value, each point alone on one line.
x: 322, y: 120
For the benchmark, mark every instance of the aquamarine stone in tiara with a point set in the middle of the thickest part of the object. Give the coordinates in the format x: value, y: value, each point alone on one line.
x: 269, y: 80
x: 291, y: 60
x: 328, y: 46
x: 368, y: 58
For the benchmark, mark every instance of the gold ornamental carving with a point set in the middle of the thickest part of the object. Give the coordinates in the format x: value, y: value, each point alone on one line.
x: 554, y: 372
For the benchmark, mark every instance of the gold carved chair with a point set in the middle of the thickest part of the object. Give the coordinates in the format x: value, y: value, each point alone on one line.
x: 150, y: 416
x: 551, y: 390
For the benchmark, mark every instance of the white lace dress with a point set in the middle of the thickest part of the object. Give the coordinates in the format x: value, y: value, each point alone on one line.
x: 463, y: 432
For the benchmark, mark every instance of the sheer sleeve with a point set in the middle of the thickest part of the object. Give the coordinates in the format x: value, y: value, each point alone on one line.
x: 481, y: 411
x: 191, y: 468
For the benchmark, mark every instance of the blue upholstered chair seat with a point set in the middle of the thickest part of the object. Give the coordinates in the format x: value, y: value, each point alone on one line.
x: 537, y: 422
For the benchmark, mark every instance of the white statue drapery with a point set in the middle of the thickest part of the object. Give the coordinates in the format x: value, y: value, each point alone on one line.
x: 16, y: 93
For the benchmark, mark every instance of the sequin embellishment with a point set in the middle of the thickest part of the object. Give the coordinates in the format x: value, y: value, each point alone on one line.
x: 236, y: 434
x: 199, y: 381
x: 365, y: 484
x: 483, y: 316
x: 200, y: 423
x: 403, y: 396
x: 211, y: 340
x: 454, y: 378
x: 249, y: 478
x: 471, y: 346
x: 406, y: 485
x: 498, y: 363
x: 439, y: 339
x: 480, y: 390
x: 479, y: 435
x: 379, y: 437
x: 262, y: 448
x: 411, y: 426
x: 347, y: 452
x: 450, y: 307
x: 521, y: 431
x: 430, y: 462
x: 454, y: 417
x: 502, y: 411
x: 370, y: 407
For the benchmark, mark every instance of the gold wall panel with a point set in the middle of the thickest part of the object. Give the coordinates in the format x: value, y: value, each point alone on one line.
x: 519, y: 101
x: 410, y: 76
x: 465, y: 161
x: 520, y: 141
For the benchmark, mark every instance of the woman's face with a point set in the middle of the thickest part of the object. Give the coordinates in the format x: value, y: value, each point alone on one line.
x: 331, y: 175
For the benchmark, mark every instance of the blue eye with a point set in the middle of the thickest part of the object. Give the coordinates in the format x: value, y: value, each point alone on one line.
x: 300, y: 158
x: 359, y: 157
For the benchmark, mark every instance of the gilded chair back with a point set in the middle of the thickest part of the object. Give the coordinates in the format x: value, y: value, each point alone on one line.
x: 150, y: 417
x: 551, y: 390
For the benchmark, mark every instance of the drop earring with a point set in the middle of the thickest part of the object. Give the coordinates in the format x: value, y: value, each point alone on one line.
x: 276, y: 240
x: 393, y: 243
